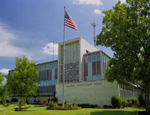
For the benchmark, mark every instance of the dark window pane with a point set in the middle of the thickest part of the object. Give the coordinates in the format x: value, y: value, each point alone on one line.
x: 93, y: 68
x: 56, y: 73
x: 71, y: 65
x: 42, y: 75
x: 47, y: 74
x: 77, y: 64
x: 98, y: 67
x: 50, y: 74
x: 67, y: 66
x: 77, y: 71
x: 74, y: 65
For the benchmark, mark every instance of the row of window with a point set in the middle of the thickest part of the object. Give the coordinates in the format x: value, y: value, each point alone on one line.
x: 46, y: 89
x: 48, y: 74
x: 93, y: 78
x: 73, y: 57
x: 92, y: 68
x: 46, y: 83
x: 72, y: 74
x: 92, y: 58
x: 70, y: 79
x: 71, y: 53
x: 129, y: 88
x: 47, y: 66
x: 70, y: 65
x: 71, y: 47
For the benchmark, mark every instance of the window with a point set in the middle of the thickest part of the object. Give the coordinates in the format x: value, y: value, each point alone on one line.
x: 71, y: 65
x: 77, y: 64
x: 98, y: 67
x: 50, y: 74
x: 98, y: 57
x: 94, y: 58
x: 77, y: 71
x: 94, y: 68
x: 55, y: 73
x: 74, y: 65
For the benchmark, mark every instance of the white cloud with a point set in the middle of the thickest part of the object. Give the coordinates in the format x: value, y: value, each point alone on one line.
x: 97, y: 11
x: 123, y: 1
x: 4, y: 71
x: 49, y: 48
x: 7, y: 49
x: 88, y: 2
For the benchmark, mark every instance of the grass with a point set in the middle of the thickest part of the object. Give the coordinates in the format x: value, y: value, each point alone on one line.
x: 42, y: 111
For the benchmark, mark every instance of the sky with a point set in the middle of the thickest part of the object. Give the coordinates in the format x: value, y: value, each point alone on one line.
x: 33, y: 28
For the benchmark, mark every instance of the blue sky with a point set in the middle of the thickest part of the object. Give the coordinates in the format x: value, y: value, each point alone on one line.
x: 29, y: 27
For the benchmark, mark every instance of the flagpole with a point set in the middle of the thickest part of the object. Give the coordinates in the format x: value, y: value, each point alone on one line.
x: 64, y: 61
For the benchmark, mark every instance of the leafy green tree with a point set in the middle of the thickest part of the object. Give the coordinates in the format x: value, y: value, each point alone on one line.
x: 22, y: 82
x: 126, y: 31
x: 3, y: 94
x: 3, y: 90
x: 1, y: 78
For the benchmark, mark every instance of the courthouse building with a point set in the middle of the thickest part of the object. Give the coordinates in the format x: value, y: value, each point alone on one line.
x: 85, y: 66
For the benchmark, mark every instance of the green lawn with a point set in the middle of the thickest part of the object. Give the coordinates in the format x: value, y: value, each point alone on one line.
x: 42, y: 111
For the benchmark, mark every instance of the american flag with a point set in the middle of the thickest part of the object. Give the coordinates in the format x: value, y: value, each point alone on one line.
x: 69, y: 21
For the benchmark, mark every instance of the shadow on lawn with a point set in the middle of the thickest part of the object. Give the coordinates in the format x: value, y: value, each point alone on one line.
x: 114, y: 113
x: 117, y: 112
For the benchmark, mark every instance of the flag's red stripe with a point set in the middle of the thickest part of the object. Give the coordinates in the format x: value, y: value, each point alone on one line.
x: 71, y: 26
x: 70, y: 23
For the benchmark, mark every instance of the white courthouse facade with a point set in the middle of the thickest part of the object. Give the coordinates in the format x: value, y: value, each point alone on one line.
x: 85, y: 66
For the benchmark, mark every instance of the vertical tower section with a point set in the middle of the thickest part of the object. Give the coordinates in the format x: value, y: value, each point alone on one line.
x: 74, y: 62
x: 72, y: 49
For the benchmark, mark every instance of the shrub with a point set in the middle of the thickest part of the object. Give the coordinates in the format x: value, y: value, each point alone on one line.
x: 87, y: 105
x: 52, y: 105
x: 37, y: 100
x: 136, y: 101
x: 109, y: 106
x: 116, y: 102
x: 69, y: 106
x: 44, y: 101
x: 22, y: 101
x: 105, y: 106
x: 132, y: 101
x: 74, y: 100
x: 141, y: 99
x: 124, y: 103
x: 54, y: 99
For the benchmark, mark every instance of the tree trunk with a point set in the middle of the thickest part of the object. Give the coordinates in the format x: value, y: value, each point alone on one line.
x: 20, y: 103
x: 147, y: 101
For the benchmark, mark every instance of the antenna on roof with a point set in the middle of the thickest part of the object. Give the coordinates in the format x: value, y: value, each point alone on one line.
x: 94, y: 38
x: 53, y: 49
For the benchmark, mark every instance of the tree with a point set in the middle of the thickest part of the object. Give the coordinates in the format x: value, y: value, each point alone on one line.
x: 1, y: 78
x: 3, y: 90
x: 3, y: 94
x: 126, y: 31
x: 22, y: 82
